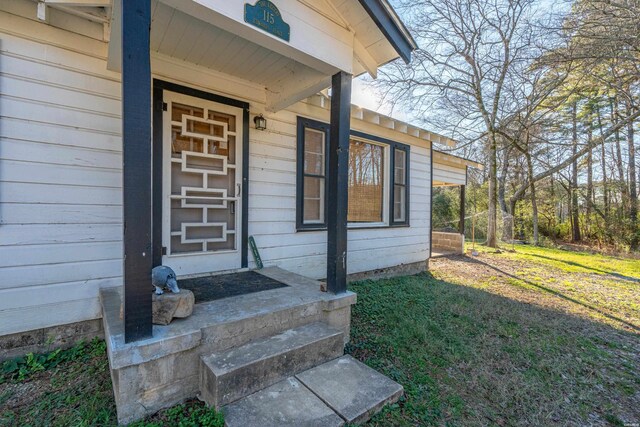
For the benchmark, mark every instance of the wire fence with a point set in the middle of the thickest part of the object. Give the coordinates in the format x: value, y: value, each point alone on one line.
x: 476, y: 227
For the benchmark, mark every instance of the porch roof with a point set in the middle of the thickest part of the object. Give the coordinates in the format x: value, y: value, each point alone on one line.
x: 451, y: 170
x: 327, y: 36
x: 391, y: 26
x: 455, y: 161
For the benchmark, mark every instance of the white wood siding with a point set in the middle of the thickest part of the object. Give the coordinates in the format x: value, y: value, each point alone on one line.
x: 449, y: 175
x: 60, y: 176
x: 272, y: 217
x: 60, y: 170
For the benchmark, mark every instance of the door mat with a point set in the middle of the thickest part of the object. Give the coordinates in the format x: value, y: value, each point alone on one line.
x: 211, y: 288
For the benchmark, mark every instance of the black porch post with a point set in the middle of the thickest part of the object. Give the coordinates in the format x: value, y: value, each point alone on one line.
x: 338, y: 157
x: 136, y: 168
x: 462, y: 208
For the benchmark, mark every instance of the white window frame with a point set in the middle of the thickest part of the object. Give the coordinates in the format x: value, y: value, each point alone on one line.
x: 321, y: 198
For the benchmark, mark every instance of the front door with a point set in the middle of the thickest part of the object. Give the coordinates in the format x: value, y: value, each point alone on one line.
x: 202, y: 176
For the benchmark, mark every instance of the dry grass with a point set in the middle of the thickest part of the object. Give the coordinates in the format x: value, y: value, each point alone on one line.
x: 530, y: 338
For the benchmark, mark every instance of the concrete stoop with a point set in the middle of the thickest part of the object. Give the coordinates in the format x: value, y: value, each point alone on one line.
x: 228, y: 376
x: 341, y: 390
x: 228, y: 348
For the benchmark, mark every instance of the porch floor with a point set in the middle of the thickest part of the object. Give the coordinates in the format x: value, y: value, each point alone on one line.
x: 209, y: 316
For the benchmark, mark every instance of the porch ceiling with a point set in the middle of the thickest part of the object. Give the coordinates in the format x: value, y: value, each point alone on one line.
x: 181, y: 36
x: 331, y: 36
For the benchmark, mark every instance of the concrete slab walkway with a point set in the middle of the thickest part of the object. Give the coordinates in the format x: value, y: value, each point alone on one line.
x: 287, y: 403
x: 342, y: 390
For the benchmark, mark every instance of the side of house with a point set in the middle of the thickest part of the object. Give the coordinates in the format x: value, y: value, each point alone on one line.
x: 61, y: 175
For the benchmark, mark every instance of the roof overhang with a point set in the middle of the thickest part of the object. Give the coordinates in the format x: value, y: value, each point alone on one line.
x: 327, y: 36
x: 391, y: 26
x: 388, y: 127
x: 455, y: 161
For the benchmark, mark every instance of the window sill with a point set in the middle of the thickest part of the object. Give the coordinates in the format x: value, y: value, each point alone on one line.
x: 358, y: 225
x: 369, y: 226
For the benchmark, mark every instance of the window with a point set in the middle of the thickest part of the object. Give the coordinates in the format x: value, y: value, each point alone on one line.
x: 378, y: 179
x: 400, y: 186
x: 366, y: 182
x: 312, y: 174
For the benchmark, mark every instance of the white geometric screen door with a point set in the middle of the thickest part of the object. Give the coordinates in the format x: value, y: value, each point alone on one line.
x: 202, y: 185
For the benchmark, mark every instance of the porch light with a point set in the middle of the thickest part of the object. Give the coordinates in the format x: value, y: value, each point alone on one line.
x: 260, y: 122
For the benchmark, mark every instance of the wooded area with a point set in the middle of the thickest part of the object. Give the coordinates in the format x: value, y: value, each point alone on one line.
x: 547, y: 96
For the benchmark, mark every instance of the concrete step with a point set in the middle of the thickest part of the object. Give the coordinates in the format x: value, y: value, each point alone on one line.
x: 230, y: 375
x: 284, y: 404
x: 337, y: 392
x: 352, y: 389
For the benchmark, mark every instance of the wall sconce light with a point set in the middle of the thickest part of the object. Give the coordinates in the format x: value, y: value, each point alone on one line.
x: 260, y: 122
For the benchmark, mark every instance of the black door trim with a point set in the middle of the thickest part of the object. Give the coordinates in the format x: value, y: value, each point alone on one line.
x: 159, y: 86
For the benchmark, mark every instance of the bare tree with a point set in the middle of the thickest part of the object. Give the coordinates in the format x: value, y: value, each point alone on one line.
x: 470, y: 53
x: 530, y: 93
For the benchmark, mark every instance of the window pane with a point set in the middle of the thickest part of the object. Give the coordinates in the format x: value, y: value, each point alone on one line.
x: 313, y: 200
x: 399, y: 205
x: 366, y: 182
x: 178, y: 110
x: 313, y: 164
x: 313, y: 152
x: 313, y: 188
x: 399, y: 167
x: 312, y: 212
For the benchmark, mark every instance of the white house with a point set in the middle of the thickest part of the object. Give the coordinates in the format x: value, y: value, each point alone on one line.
x: 135, y: 133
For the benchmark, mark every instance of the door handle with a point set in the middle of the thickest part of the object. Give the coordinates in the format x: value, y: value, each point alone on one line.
x: 238, y: 189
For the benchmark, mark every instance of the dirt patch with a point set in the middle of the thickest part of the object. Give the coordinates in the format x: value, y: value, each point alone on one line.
x: 607, y: 296
x: 19, y: 395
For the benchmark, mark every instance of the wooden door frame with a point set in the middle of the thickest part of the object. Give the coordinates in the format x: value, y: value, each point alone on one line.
x: 159, y: 86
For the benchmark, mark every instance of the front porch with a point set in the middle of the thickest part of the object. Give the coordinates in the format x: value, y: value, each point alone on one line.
x: 187, y: 166
x: 233, y: 347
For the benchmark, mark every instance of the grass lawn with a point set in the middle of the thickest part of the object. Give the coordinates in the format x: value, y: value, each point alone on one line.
x: 533, y: 337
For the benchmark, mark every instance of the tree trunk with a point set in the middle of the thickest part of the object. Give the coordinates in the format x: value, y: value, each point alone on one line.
x: 590, y: 193
x: 633, y: 194
x: 507, y: 226
x: 603, y: 165
x: 619, y: 166
x: 575, y: 219
x: 534, y: 204
x: 493, y: 193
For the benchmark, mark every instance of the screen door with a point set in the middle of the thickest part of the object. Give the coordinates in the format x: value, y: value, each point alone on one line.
x: 202, y: 176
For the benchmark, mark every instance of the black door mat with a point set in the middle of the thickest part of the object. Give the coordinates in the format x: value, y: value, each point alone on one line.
x: 211, y: 288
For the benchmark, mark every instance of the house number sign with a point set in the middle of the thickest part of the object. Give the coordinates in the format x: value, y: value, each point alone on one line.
x: 266, y: 16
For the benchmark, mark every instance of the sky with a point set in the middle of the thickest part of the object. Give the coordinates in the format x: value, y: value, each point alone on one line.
x: 364, y: 96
